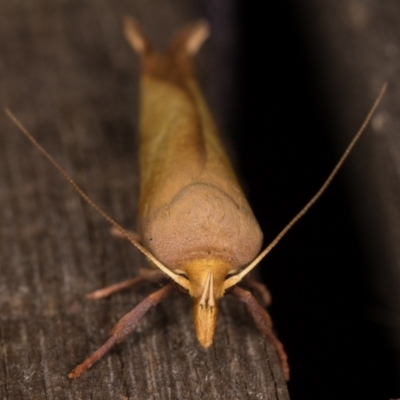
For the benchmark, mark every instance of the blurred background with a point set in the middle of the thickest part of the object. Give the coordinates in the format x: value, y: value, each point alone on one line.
x: 309, y: 71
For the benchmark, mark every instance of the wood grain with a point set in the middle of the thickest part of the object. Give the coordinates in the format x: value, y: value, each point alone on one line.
x: 68, y: 74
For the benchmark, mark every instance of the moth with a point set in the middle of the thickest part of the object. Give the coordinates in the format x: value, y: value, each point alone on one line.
x: 195, y: 225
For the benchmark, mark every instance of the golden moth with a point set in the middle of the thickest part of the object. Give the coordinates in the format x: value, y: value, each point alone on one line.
x: 194, y: 223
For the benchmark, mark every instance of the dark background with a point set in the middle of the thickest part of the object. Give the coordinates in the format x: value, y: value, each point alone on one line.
x: 325, y: 301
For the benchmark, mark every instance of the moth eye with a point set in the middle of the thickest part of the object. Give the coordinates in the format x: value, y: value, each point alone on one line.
x: 181, y: 289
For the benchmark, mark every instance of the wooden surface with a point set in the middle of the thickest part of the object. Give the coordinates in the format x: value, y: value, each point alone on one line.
x: 70, y: 77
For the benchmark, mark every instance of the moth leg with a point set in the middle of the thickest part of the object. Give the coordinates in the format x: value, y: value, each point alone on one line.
x: 145, y: 276
x: 117, y: 233
x: 124, y: 327
x: 258, y: 287
x: 264, y: 325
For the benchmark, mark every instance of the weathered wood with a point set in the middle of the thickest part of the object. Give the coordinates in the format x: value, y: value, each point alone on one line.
x: 68, y: 74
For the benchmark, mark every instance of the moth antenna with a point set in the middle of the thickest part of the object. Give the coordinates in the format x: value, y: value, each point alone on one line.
x: 233, y: 280
x: 177, y: 278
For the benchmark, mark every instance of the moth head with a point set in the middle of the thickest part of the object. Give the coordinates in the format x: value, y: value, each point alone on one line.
x: 206, y: 286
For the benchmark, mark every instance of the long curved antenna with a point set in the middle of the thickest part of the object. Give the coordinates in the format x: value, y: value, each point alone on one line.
x: 177, y: 278
x: 233, y: 280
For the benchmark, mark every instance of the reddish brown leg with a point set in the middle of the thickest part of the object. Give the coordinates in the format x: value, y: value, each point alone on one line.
x: 117, y: 233
x: 264, y: 325
x: 258, y: 287
x: 145, y: 276
x: 124, y: 327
